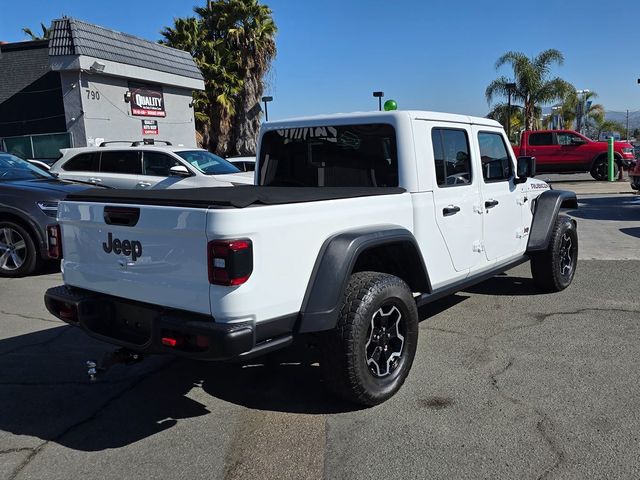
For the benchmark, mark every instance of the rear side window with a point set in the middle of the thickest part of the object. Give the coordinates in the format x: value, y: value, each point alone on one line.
x: 451, y: 155
x: 121, y: 162
x: 496, y: 162
x: 542, y: 138
x: 84, y: 162
x: 158, y: 164
x: 330, y: 156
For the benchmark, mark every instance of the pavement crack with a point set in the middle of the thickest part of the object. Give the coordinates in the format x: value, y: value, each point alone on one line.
x: 454, y: 332
x: 29, y: 317
x: 542, y: 424
x: 15, y: 450
x: 91, y: 417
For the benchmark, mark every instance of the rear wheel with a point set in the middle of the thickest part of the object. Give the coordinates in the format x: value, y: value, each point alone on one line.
x: 367, y: 358
x: 600, y: 169
x: 553, y: 270
x: 18, y: 253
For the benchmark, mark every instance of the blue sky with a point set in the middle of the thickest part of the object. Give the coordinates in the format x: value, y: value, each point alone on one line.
x: 425, y: 54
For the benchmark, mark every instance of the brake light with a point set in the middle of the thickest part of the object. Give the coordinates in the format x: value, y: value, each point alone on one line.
x: 54, y: 241
x: 230, y: 261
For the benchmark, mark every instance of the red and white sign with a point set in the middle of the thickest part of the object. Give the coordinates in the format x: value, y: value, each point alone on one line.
x: 147, y: 100
x: 149, y: 127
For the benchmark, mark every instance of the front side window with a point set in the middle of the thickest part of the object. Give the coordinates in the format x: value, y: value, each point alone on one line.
x: 85, y: 162
x: 496, y: 162
x: 127, y: 162
x: 14, y: 168
x: 330, y: 156
x: 451, y: 156
x: 207, y: 162
x: 158, y: 164
x: 566, y: 138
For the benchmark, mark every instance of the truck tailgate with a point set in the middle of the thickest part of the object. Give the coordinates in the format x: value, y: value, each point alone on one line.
x: 142, y: 252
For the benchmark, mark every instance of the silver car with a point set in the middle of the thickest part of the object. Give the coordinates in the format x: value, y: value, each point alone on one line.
x: 141, y: 166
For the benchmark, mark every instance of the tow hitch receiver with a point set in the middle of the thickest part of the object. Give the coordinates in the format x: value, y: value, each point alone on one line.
x: 122, y: 355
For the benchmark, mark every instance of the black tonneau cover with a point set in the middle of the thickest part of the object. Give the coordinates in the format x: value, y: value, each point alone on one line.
x: 238, y: 197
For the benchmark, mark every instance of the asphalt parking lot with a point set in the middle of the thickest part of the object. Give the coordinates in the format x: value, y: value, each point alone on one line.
x: 507, y: 383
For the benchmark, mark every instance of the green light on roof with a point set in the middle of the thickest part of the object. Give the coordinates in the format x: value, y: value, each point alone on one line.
x: 390, y: 105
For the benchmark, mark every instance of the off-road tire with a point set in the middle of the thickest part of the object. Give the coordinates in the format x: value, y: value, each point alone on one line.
x: 552, y: 270
x: 31, y: 261
x: 368, y: 297
x: 600, y: 169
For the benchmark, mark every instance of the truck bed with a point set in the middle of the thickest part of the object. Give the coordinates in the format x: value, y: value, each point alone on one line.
x: 229, y: 197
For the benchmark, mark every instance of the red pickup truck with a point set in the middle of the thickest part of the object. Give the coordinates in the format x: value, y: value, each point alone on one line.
x: 566, y: 151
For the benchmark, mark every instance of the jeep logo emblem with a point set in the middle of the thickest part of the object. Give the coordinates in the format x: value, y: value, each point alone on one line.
x: 124, y: 247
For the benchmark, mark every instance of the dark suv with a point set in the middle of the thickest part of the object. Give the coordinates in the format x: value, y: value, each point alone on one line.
x: 29, y: 200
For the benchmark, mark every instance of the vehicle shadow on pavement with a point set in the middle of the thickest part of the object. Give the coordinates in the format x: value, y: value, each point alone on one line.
x: 45, y: 392
x: 634, y: 232
x: 623, y: 208
x: 506, y: 285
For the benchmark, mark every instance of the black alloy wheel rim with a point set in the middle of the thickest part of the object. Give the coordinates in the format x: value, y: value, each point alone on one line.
x: 385, y: 340
x: 567, y: 255
x: 13, y: 249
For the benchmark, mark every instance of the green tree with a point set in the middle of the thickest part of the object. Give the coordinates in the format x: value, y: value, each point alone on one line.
x: 608, y: 126
x: 233, y: 43
x: 593, y: 114
x: 36, y: 36
x: 534, y: 88
x: 500, y: 112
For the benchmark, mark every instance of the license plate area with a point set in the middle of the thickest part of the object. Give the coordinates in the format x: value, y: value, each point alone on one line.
x: 125, y: 322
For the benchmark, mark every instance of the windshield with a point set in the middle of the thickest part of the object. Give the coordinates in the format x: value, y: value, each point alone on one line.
x: 207, y: 162
x: 14, y: 168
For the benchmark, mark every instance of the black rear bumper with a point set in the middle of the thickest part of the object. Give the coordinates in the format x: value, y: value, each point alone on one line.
x: 146, y: 328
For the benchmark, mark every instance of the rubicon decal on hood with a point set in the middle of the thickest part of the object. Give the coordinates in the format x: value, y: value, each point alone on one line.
x: 124, y: 247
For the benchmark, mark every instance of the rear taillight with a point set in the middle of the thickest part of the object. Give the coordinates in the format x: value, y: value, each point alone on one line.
x: 54, y: 241
x: 230, y: 261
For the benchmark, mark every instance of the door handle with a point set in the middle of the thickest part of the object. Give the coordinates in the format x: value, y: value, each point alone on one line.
x: 144, y: 184
x: 95, y: 180
x: 490, y: 203
x: 450, y: 210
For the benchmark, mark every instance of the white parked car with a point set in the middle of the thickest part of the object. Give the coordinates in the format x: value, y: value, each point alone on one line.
x: 140, y: 166
x: 245, y: 164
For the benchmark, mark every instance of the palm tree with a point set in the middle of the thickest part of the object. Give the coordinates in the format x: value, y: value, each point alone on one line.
x: 233, y: 43
x: 502, y: 114
x: 533, y: 86
x: 34, y: 36
x: 593, y: 114
x: 248, y: 30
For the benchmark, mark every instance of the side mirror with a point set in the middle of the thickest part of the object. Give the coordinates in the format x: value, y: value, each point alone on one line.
x: 179, y: 171
x: 526, y: 168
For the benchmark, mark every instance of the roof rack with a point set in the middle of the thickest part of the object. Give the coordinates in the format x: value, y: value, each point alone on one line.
x: 149, y: 141
x: 104, y: 144
x: 137, y: 143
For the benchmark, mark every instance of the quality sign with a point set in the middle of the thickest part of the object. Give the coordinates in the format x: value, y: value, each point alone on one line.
x: 147, y: 100
x: 149, y: 127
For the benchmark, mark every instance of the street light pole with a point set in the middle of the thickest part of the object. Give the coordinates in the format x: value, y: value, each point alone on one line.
x: 266, y: 100
x: 510, y: 88
x: 581, y: 112
x: 379, y: 96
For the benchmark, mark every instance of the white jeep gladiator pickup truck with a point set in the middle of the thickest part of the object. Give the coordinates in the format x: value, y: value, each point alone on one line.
x: 354, y: 222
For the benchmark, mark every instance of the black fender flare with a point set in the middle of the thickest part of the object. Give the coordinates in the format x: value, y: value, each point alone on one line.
x: 333, y: 268
x: 546, y: 211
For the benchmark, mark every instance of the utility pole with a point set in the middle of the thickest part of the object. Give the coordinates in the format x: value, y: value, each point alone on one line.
x: 627, y: 124
x: 510, y: 89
